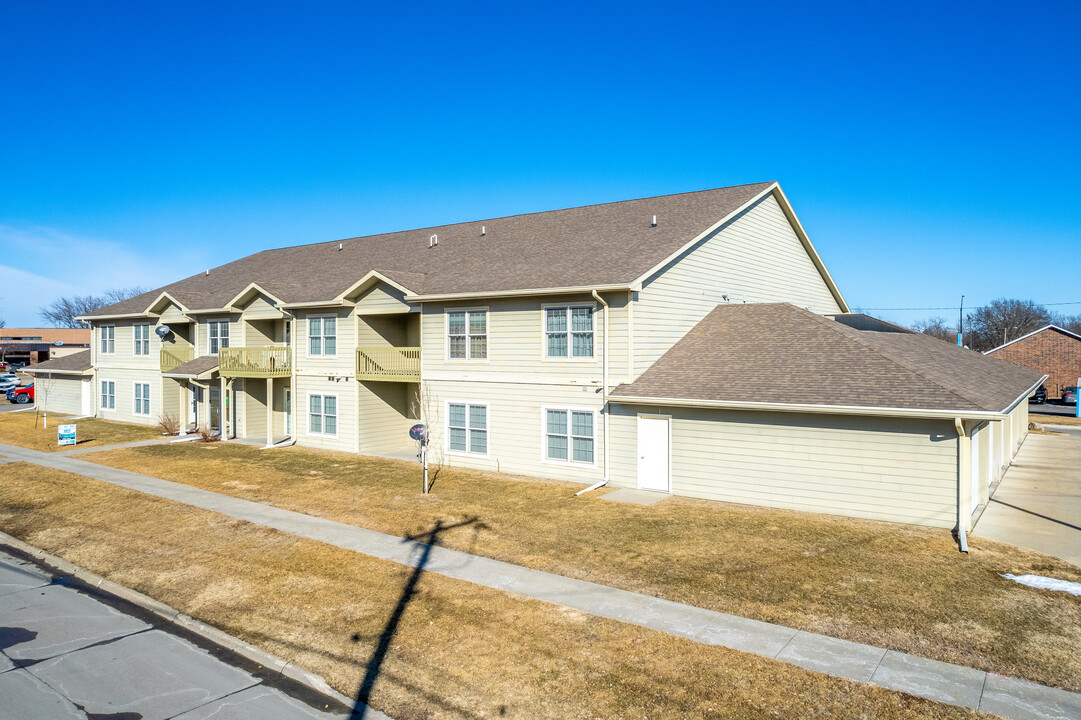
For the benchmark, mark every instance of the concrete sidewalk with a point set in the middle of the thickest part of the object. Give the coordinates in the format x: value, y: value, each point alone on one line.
x: 65, y: 653
x: 952, y: 684
x: 1038, y: 503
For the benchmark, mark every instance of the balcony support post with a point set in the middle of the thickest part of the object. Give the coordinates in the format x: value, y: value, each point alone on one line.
x: 269, y: 412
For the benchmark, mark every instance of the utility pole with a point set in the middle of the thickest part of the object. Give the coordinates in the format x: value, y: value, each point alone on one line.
x: 961, y: 323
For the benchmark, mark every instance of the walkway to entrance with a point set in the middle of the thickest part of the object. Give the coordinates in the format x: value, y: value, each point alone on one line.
x: 1038, y: 504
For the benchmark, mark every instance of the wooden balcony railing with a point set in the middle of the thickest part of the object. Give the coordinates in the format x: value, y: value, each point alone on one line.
x: 174, y: 357
x: 393, y: 364
x: 255, y: 362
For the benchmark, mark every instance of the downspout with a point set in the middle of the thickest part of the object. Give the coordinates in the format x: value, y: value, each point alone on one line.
x: 293, y: 375
x: 604, y: 397
x: 962, y: 539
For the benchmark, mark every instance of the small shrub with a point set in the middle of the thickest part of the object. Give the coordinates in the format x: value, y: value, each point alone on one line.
x: 206, y: 434
x: 169, y: 424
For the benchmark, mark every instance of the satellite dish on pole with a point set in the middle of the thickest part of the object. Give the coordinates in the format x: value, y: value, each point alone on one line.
x: 418, y: 432
x: 162, y: 330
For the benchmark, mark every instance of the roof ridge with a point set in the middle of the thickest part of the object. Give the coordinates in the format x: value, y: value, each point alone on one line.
x: 518, y: 215
x: 843, y: 329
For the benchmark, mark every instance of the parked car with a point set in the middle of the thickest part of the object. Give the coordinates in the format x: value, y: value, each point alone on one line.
x: 4, y: 367
x: 1040, y: 396
x: 1069, y: 395
x: 8, y: 381
x: 21, y: 395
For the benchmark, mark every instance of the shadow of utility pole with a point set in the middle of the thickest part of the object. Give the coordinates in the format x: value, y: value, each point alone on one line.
x: 426, y: 541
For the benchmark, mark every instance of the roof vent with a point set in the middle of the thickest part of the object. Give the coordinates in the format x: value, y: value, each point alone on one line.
x: 483, y: 230
x: 208, y: 271
x: 654, y: 223
x: 433, y: 241
x: 339, y: 247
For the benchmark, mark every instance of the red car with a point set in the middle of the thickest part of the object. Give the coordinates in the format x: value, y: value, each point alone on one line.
x: 21, y: 395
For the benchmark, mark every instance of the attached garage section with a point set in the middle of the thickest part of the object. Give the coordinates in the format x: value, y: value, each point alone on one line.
x: 64, y: 385
x: 896, y: 469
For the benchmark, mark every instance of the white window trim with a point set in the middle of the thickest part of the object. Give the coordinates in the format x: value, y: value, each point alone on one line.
x: 101, y: 392
x: 101, y: 339
x: 135, y: 340
x: 570, y: 445
x: 446, y: 428
x: 487, y: 335
x: 209, y: 343
x: 308, y: 413
x: 323, y: 345
x: 569, y: 357
x: 148, y: 412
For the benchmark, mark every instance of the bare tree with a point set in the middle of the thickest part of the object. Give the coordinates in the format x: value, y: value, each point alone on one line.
x: 3, y: 323
x: 1003, y: 320
x: 936, y: 327
x: 1066, y: 322
x: 61, y: 313
x: 423, y: 408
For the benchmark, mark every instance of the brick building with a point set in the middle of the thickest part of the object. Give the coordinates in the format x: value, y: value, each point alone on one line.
x: 34, y: 345
x: 1050, y: 350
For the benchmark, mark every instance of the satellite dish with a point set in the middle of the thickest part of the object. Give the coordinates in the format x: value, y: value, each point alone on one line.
x: 162, y: 330
x: 418, y: 432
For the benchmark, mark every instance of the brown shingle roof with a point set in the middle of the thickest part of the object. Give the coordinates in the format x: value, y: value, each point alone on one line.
x: 75, y: 363
x: 194, y: 368
x: 609, y: 244
x: 780, y: 354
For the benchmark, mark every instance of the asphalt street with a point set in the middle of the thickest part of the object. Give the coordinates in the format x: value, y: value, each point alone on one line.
x: 68, y: 651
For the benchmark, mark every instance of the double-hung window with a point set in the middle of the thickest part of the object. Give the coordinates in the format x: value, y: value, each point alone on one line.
x: 141, y: 333
x: 323, y: 414
x: 108, y: 395
x: 218, y: 332
x: 108, y: 339
x: 142, y: 399
x: 323, y: 335
x: 467, y: 334
x: 569, y: 435
x: 467, y: 428
x: 568, y: 331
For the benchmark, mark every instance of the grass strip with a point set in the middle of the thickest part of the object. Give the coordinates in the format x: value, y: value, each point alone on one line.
x: 897, y: 586
x: 456, y: 650
x: 27, y: 430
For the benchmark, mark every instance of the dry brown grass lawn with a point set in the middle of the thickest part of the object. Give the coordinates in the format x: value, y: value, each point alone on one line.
x: 1055, y: 419
x: 459, y: 651
x: 896, y: 586
x: 26, y: 430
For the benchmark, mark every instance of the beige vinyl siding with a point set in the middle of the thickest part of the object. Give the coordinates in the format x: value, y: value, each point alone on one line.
x: 515, y: 427
x: 382, y: 298
x: 757, y: 258
x: 516, y: 342
x: 203, y: 330
x: 343, y: 362
x: 346, y: 439
x: 124, y: 348
x: 173, y: 398
x: 60, y: 393
x: 125, y: 379
x: 254, y: 408
x: 385, y: 416
x: 879, y: 468
x: 261, y: 306
x: 173, y: 314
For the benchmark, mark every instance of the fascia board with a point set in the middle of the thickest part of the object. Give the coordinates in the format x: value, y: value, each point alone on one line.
x: 928, y: 413
x: 790, y: 213
x: 47, y: 371
x: 1045, y: 327
x: 623, y: 287
x: 316, y: 304
x: 371, y: 275
x: 251, y: 286
x: 164, y: 296
x: 1023, y: 396
x: 122, y: 316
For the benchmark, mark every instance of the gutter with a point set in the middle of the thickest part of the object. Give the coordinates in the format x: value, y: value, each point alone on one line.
x: 927, y: 413
x: 962, y: 539
x: 604, y: 397
x: 624, y: 287
x: 1024, y: 396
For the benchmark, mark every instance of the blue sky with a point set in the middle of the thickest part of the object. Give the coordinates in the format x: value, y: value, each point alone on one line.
x: 931, y: 150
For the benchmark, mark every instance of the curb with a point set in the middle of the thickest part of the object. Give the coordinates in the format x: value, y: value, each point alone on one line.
x: 219, y: 637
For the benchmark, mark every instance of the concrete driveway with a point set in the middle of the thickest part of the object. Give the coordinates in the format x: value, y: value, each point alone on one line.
x: 1038, y: 504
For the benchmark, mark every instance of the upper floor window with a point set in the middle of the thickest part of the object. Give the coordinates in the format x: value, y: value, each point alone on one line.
x: 322, y: 335
x: 108, y: 339
x: 467, y: 334
x: 142, y: 339
x: 568, y: 331
x: 218, y: 332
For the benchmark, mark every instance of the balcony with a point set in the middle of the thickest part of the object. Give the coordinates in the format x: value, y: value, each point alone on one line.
x: 391, y: 364
x: 255, y: 362
x: 174, y: 357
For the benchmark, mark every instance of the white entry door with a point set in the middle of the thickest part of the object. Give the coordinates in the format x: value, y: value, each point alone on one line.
x: 653, y: 452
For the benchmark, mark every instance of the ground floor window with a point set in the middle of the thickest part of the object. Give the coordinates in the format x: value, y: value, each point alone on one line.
x: 467, y: 428
x: 569, y: 435
x: 108, y: 395
x: 142, y: 399
x: 323, y: 414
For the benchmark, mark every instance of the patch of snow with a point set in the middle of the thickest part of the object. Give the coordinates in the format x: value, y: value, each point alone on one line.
x: 1046, y: 583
